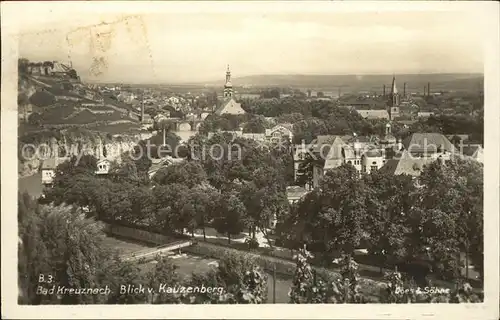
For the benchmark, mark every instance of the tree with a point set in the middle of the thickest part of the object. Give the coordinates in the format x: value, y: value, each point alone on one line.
x: 230, y: 219
x: 189, y: 173
x: 22, y: 65
x: 35, y: 119
x: 305, y: 171
x: 459, y: 218
x: 118, y: 273
x: 60, y: 242
x: 72, y: 74
x: 389, y: 201
x: 240, y: 276
x: 126, y: 171
x: 204, y: 200
x: 257, y: 124
x: 310, y: 287
x: 303, y: 284
x: 342, y: 209
x: 162, y: 279
x: 169, y: 207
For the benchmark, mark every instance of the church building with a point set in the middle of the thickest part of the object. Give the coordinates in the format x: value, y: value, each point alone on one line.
x: 228, y: 104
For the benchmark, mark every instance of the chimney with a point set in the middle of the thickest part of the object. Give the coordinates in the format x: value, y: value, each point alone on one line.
x: 404, y: 89
x: 384, y: 92
x: 428, y: 88
x: 424, y: 91
x: 142, y: 111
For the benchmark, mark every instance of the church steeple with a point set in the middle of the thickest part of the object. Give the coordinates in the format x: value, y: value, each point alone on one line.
x: 394, y: 93
x: 228, y: 87
x: 228, y: 75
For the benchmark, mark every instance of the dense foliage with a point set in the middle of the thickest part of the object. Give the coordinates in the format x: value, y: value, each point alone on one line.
x: 395, y: 218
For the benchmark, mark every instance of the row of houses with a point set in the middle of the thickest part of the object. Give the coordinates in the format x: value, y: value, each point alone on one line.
x: 280, y: 132
x: 366, y: 155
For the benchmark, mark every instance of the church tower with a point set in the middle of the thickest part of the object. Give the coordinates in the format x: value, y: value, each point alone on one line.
x: 228, y: 87
x: 394, y: 93
x: 394, y: 100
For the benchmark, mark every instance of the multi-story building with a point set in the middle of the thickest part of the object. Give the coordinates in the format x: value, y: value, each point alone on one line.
x: 365, y: 156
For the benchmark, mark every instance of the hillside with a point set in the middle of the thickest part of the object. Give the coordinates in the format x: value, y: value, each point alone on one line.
x: 350, y: 83
x: 47, y: 101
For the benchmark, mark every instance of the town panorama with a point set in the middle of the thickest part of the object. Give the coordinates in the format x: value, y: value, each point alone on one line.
x: 248, y: 189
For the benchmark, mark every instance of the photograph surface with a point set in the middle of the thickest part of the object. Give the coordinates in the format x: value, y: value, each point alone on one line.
x: 267, y: 156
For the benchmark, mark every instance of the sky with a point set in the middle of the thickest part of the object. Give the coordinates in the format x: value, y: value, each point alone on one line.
x: 176, y: 47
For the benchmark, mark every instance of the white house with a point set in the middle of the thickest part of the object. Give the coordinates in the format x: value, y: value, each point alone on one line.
x: 279, y: 132
x: 48, y: 169
x: 103, y: 166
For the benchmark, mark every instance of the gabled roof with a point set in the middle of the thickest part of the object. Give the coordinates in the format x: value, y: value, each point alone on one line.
x: 471, y: 150
x: 335, y: 157
x: 464, y: 137
x: 49, y: 164
x: 52, y: 163
x: 404, y: 163
x: 427, y: 142
x: 228, y: 103
x: 103, y: 161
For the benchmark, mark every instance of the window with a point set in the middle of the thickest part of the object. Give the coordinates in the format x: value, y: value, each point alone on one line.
x: 372, y: 168
x: 349, y: 162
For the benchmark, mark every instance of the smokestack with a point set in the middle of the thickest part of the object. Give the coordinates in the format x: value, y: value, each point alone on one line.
x: 142, y: 111
x: 384, y: 91
x: 428, y: 88
x: 424, y: 91
x: 404, y: 89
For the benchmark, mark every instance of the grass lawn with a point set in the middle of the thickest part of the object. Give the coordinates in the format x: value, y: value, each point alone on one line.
x: 124, y: 246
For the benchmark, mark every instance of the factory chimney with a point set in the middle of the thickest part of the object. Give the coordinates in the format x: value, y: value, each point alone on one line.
x: 142, y: 111
x: 404, y: 89
x: 428, y: 88
x: 384, y: 92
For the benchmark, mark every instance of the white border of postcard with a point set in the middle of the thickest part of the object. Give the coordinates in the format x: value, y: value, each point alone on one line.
x: 29, y: 14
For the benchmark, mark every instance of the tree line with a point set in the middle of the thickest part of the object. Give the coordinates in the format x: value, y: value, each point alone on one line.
x: 229, y: 191
x: 60, y: 246
x: 436, y: 217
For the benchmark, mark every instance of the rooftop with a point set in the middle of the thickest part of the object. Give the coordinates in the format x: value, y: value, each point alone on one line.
x: 404, y: 163
x: 374, y: 114
x: 428, y: 142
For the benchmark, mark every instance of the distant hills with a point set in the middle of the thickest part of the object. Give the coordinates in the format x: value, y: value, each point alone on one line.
x: 361, y: 82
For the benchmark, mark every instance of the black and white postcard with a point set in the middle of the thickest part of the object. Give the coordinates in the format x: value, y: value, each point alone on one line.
x: 303, y: 159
